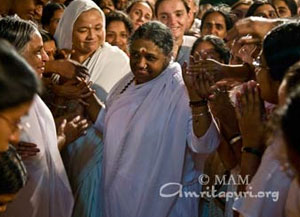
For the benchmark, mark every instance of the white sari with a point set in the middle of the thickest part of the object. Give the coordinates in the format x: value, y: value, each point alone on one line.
x: 146, y: 133
x: 48, y: 192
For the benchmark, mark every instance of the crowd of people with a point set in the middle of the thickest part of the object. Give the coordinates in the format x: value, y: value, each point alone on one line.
x: 137, y: 108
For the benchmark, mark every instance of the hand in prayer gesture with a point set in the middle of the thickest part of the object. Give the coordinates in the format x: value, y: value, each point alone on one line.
x: 250, y: 114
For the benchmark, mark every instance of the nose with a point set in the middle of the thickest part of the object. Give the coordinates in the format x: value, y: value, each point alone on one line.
x: 45, y: 57
x: 214, y: 31
x: 91, y: 34
x: 172, y: 20
x: 142, y: 63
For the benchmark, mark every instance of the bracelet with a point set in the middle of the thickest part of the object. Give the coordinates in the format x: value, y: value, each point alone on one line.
x: 251, y: 150
x: 199, y: 103
x: 235, y: 139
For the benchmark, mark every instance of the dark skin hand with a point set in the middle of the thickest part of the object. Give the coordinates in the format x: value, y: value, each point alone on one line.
x: 26, y: 149
x: 72, y: 89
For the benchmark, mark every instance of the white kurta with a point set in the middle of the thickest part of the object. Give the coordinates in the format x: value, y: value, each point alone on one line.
x: 47, y: 193
x: 147, y: 132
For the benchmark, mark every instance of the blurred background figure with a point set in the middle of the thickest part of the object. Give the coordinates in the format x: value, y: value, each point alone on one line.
x: 140, y: 12
x: 107, y: 6
x: 239, y: 9
x: 118, y: 30
x: 52, y: 13
x: 18, y: 84
x: 285, y: 8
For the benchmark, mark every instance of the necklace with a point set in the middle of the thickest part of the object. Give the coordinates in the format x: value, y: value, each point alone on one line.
x: 127, y: 85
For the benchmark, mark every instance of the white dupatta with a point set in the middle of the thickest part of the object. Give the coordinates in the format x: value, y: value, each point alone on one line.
x: 47, y: 192
x: 145, y: 138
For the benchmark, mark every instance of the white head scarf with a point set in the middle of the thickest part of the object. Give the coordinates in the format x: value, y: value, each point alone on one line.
x: 64, y: 31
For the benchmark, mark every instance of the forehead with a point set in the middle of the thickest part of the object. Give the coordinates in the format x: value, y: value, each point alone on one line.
x: 35, y: 41
x: 49, y: 44
x: 205, y: 45
x: 117, y: 26
x: 263, y: 8
x: 141, y: 6
x: 170, y: 6
x: 145, y: 46
x: 215, y: 17
x: 242, y: 7
x: 92, y: 16
x: 280, y: 3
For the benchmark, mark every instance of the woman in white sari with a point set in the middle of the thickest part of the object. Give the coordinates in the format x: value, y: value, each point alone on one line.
x: 150, y: 133
x: 82, y: 29
x: 48, y: 192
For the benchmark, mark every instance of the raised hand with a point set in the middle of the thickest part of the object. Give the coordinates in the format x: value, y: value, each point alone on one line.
x: 250, y: 114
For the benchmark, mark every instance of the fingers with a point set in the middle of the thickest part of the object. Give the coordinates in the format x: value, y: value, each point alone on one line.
x: 62, y: 127
x: 26, y: 149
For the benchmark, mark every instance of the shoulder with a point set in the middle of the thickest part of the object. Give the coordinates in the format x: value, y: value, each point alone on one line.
x: 114, y: 51
x: 188, y: 40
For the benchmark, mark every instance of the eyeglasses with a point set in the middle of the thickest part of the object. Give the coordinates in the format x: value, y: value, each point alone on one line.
x: 14, y: 126
x: 257, y: 63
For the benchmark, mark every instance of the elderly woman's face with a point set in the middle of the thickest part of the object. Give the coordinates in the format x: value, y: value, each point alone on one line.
x: 140, y: 13
x: 35, y: 54
x: 147, y: 60
x: 88, y: 32
x: 174, y: 15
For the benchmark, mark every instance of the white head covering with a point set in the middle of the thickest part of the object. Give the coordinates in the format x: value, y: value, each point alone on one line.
x: 64, y: 30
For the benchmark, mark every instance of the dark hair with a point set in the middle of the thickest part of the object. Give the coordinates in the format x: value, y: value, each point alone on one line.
x: 156, y: 32
x: 49, y: 11
x: 218, y: 43
x: 46, y: 36
x: 158, y: 2
x: 122, y: 17
x: 17, y: 31
x: 139, y: 1
x: 18, y: 82
x: 290, y: 119
x: 256, y: 5
x: 292, y: 78
x: 291, y: 5
x: 281, y: 48
x: 221, y: 9
x: 13, y: 174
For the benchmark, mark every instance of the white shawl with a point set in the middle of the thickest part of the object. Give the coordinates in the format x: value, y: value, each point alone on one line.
x: 108, y: 64
x: 48, y: 192
x: 152, y: 121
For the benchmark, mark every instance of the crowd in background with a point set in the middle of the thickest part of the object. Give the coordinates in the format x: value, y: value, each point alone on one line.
x: 136, y: 108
